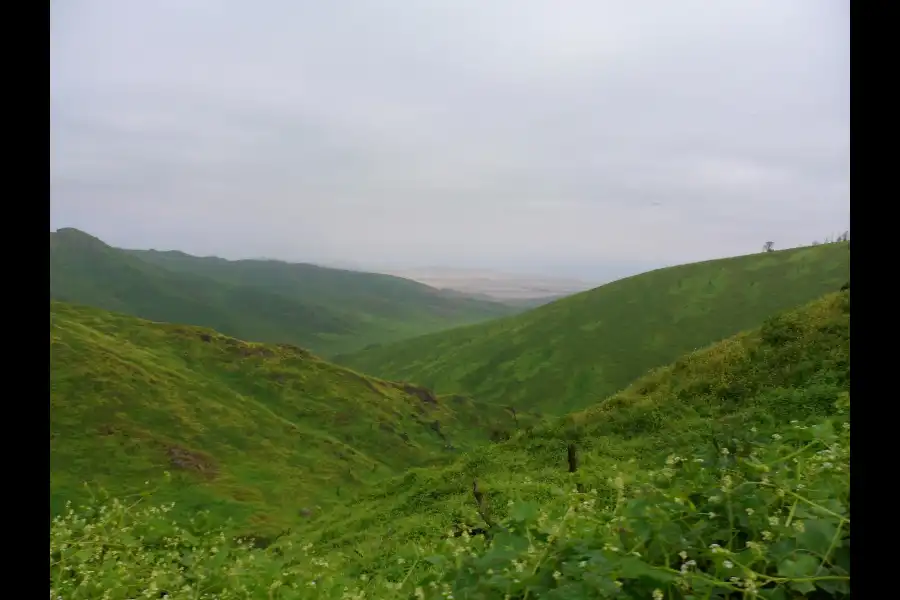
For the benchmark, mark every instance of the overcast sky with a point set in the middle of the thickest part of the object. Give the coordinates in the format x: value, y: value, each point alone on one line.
x: 589, y: 138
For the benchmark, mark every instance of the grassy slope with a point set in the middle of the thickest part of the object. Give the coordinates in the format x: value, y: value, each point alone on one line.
x: 86, y: 271
x: 573, y: 352
x: 777, y: 503
x: 249, y: 430
x: 794, y: 367
x: 326, y: 310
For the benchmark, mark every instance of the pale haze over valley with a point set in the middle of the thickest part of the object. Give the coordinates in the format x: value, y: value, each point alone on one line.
x: 589, y: 140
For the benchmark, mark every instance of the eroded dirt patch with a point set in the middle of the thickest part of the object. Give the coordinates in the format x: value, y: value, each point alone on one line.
x: 423, y: 394
x: 263, y: 351
x: 190, y: 460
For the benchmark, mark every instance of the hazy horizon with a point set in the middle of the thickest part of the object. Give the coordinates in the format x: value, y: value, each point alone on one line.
x: 593, y: 141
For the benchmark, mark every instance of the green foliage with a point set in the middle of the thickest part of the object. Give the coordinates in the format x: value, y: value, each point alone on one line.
x: 701, y: 401
x: 724, y: 474
x: 119, y: 551
x: 767, y: 520
x: 252, y: 431
x: 770, y: 520
x: 326, y: 310
x: 572, y: 353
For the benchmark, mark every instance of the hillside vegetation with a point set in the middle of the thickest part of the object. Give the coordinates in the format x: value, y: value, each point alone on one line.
x: 574, y: 352
x: 724, y: 474
x: 251, y: 431
x: 372, y: 294
x: 325, y: 310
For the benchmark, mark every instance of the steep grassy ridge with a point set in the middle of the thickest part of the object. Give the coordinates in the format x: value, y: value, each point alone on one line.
x: 725, y: 474
x: 326, y: 310
x: 248, y: 430
x: 575, y: 351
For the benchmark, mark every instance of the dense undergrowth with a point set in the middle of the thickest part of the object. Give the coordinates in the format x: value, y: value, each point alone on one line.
x: 766, y: 516
x: 723, y: 475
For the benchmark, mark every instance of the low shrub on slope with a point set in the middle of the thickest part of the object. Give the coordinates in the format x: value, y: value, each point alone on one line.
x: 723, y: 475
x: 571, y: 353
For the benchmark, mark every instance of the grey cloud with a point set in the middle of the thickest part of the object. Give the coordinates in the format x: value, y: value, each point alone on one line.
x: 583, y: 136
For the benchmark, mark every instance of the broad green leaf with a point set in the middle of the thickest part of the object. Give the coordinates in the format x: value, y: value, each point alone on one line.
x: 524, y: 511
x: 817, y: 535
x: 803, y: 565
x: 804, y: 587
x: 834, y: 586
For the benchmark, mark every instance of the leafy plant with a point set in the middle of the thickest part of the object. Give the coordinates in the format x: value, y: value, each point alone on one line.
x: 766, y: 516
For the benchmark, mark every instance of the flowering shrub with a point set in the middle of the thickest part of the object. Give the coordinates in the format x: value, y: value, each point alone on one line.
x: 764, y: 516
x: 118, y: 551
x: 767, y: 517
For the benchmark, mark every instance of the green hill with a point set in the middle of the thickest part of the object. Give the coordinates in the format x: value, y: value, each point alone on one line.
x: 724, y: 474
x: 793, y: 367
x: 565, y: 355
x: 326, y: 310
x: 252, y: 431
x: 758, y: 398
x: 374, y: 295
